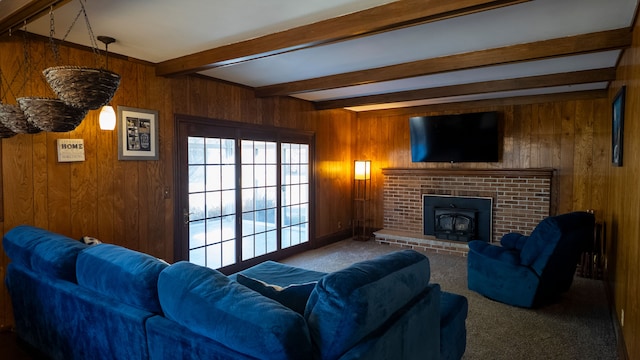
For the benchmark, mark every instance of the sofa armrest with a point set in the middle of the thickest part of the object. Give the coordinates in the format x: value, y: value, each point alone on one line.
x: 513, y: 241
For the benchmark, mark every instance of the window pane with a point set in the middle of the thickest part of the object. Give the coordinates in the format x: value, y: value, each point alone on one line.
x: 260, y: 198
x: 196, y: 178
x: 228, y: 202
x: 272, y: 241
x: 198, y: 256
x: 272, y: 153
x: 247, y: 223
x: 214, y: 204
x: 260, y: 241
x: 286, y: 237
x: 228, y: 177
x: 214, y: 180
x: 196, y: 206
x: 259, y: 175
x: 195, y: 150
x: 247, y: 200
x: 214, y: 256
x: 259, y: 152
x: 228, y: 155
x: 247, y: 176
x: 197, y: 234
x: 228, y: 227
x: 247, y: 152
x: 304, y: 174
x: 270, y: 194
x: 260, y: 218
x: 247, y: 247
x: 213, y: 231
x: 270, y: 221
x: 213, y: 151
x: 228, y: 253
x: 271, y: 176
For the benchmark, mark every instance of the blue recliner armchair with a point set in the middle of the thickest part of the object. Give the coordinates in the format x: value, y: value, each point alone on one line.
x: 531, y: 271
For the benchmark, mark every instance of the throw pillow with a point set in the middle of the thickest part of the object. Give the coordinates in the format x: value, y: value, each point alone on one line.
x: 294, y: 296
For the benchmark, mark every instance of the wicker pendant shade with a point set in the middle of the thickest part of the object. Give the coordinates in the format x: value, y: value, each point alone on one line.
x: 51, y: 114
x: 12, y: 118
x: 82, y: 87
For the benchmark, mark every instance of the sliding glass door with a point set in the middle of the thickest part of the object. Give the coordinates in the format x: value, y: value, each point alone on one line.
x: 244, y: 196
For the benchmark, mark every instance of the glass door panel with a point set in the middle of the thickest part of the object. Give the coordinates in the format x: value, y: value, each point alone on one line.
x: 259, y: 202
x: 295, y: 194
x: 212, y: 202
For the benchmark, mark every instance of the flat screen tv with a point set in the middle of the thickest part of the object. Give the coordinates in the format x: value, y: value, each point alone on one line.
x: 472, y: 137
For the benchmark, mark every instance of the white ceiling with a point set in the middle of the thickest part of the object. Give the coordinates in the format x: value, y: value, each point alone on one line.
x: 160, y: 30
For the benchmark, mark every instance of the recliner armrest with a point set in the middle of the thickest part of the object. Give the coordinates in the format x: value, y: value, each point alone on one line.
x: 513, y: 241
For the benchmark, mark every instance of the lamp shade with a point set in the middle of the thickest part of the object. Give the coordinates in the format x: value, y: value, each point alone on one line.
x: 362, y: 170
x: 107, y: 118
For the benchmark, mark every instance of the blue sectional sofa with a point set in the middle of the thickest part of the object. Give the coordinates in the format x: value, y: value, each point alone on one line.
x: 74, y: 301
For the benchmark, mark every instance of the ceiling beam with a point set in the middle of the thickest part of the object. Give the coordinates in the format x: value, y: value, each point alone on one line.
x: 15, y: 13
x: 531, y: 82
x: 392, y: 16
x: 570, y: 45
x: 487, y: 103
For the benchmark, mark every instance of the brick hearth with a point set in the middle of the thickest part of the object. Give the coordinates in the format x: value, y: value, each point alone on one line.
x: 521, y: 198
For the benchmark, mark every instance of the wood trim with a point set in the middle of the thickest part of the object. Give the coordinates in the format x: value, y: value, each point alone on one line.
x: 532, y: 82
x: 382, y: 18
x: 13, y: 13
x: 570, y: 45
x: 543, y: 172
x: 489, y: 103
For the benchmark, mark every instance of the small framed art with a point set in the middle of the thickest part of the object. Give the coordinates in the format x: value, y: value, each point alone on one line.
x: 137, y: 134
x: 617, y: 127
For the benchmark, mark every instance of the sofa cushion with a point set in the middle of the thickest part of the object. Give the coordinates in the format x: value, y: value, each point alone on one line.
x: 348, y: 305
x: 293, y: 296
x: 121, y: 273
x: 40, y: 250
x: 209, y: 303
x: 280, y: 274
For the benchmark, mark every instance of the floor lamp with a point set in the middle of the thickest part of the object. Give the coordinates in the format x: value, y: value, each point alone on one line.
x: 361, y: 198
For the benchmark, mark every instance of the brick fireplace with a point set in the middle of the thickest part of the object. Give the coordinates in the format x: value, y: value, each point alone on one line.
x: 521, y: 198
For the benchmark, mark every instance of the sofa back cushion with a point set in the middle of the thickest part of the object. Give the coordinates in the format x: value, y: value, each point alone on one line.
x: 540, y: 244
x: 42, y: 251
x: 121, y: 273
x: 348, y: 305
x: 210, y: 304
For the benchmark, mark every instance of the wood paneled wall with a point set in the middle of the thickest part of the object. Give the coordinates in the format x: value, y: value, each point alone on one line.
x: 569, y: 136
x: 623, y: 211
x: 123, y: 202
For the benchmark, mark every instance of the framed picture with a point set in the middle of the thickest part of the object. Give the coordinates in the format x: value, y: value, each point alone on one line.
x: 137, y: 134
x: 617, y: 127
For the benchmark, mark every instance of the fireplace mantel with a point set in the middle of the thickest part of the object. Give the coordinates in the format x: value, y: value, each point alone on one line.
x: 538, y: 172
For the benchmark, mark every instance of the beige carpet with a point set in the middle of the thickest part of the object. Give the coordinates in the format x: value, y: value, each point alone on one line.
x: 578, y: 327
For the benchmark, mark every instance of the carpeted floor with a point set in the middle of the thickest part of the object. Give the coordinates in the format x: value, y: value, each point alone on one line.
x: 578, y: 327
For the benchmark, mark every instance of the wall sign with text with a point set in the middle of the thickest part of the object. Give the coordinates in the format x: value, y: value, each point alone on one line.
x: 70, y: 150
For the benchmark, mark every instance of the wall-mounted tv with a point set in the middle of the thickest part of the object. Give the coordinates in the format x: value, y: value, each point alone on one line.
x: 472, y: 137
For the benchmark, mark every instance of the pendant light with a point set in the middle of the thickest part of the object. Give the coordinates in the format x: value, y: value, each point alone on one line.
x: 107, y: 116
